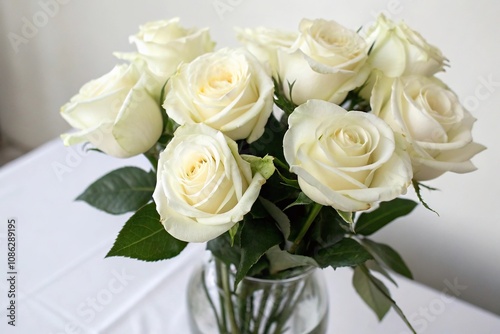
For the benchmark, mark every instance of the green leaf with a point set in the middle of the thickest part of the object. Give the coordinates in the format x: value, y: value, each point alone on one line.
x: 271, y: 141
x: 373, y: 265
x: 327, y: 229
x: 302, y: 199
x: 279, y: 216
x: 370, y: 222
x: 144, y: 238
x: 257, y: 237
x: 372, y: 291
x: 345, y: 253
x: 376, y: 294
x: 223, y: 249
x: 387, y: 256
x: 276, y: 191
x: 258, y: 210
x: 282, y: 260
x: 123, y: 190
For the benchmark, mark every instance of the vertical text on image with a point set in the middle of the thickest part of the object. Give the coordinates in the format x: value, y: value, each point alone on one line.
x: 11, y: 271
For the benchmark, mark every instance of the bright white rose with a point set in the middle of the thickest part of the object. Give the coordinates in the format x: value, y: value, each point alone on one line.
x: 165, y: 44
x: 398, y: 50
x: 264, y: 43
x: 203, y: 186
x: 325, y: 62
x: 433, y: 122
x: 116, y: 113
x: 228, y: 90
x: 347, y: 160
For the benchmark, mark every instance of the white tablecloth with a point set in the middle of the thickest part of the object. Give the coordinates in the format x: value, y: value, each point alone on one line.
x: 64, y: 284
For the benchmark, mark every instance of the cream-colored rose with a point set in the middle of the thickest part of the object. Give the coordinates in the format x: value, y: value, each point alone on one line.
x: 325, y: 62
x: 264, y: 43
x: 433, y: 122
x: 203, y: 186
x: 116, y: 113
x: 165, y: 44
x: 228, y: 90
x: 398, y: 50
x: 347, y: 160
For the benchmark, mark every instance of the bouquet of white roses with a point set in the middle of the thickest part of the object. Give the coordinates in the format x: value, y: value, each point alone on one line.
x: 287, y: 152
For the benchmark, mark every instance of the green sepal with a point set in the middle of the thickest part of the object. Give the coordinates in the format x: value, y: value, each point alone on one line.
x: 232, y: 233
x: 416, y: 186
x: 264, y: 166
x: 346, y: 216
x: 280, y: 99
x: 292, y: 183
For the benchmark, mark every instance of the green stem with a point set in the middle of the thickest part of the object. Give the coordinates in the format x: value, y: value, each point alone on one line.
x: 281, y: 164
x: 212, y: 305
x: 289, y: 305
x: 218, y: 273
x: 262, y: 310
x: 153, y: 155
x: 273, y: 314
x: 229, y: 302
x: 316, y: 208
x: 244, y: 306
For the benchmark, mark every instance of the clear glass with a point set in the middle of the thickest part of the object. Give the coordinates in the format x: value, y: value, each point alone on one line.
x: 296, y: 305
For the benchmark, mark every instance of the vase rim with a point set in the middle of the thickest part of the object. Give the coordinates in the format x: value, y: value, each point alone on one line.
x: 307, y: 271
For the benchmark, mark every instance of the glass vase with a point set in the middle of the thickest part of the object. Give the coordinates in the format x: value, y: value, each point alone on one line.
x: 293, y: 305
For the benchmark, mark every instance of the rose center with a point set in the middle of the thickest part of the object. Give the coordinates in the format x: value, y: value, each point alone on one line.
x: 438, y: 102
x: 193, y: 170
x: 220, y: 80
x: 350, y: 141
x: 330, y: 40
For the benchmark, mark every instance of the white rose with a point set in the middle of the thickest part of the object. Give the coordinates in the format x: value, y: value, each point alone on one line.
x: 116, y: 113
x: 264, y: 43
x: 165, y: 44
x: 204, y: 187
x: 228, y: 90
x: 398, y: 50
x: 347, y: 160
x: 325, y: 62
x: 433, y: 122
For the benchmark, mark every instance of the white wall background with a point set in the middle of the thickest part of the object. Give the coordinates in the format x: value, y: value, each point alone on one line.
x: 75, y: 38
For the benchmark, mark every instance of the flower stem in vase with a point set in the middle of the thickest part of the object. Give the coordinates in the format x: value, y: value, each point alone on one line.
x: 228, y: 301
x: 220, y: 324
x: 262, y: 310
